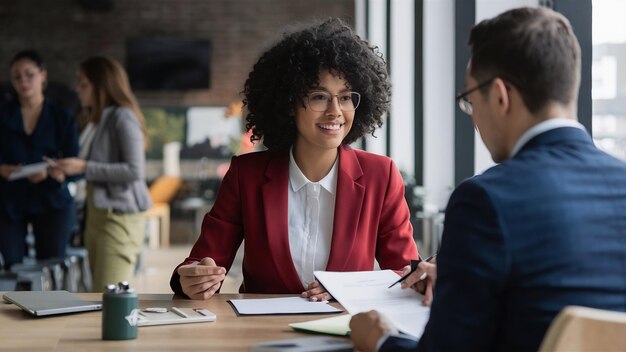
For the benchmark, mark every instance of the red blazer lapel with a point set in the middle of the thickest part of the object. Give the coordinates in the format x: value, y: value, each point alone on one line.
x: 348, y: 204
x: 275, y: 206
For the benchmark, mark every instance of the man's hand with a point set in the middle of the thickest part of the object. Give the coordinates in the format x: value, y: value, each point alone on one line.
x: 423, y: 280
x: 201, y: 280
x: 367, y: 328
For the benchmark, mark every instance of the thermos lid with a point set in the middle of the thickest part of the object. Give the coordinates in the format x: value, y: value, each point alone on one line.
x: 121, y: 287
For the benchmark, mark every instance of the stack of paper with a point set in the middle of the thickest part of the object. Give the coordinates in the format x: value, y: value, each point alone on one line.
x: 362, y: 291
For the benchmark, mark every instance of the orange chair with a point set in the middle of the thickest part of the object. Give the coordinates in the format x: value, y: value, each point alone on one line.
x: 162, y: 191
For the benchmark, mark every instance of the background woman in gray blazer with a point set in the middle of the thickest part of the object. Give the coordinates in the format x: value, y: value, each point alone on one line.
x: 114, y: 167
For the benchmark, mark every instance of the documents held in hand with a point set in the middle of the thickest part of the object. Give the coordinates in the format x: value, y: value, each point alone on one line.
x: 28, y: 170
x: 362, y: 291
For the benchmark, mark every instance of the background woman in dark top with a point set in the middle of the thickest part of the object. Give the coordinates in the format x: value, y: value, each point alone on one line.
x: 31, y: 128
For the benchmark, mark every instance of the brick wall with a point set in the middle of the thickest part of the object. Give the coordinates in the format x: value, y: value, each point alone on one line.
x: 65, y: 33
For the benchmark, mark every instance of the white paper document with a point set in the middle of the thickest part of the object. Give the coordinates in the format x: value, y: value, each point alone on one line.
x: 287, y: 305
x: 28, y: 170
x: 362, y: 291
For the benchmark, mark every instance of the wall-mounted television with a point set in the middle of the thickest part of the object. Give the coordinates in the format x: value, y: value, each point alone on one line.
x: 168, y: 64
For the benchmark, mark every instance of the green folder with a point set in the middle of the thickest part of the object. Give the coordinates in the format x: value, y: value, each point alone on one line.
x: 339, y: 326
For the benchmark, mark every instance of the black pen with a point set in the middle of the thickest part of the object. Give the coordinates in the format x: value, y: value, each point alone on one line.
x: 414, y: 264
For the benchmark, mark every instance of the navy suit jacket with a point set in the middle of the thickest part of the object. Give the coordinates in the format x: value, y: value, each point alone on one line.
x: 541, y: 231
x: 55, y: 136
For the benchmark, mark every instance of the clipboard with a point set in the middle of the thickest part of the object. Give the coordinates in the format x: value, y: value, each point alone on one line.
x: 281, y: 305
x: 173, y: 315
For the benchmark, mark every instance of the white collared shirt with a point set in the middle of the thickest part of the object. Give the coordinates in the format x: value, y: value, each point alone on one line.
x: 311, y: 215
x: 542, y: 127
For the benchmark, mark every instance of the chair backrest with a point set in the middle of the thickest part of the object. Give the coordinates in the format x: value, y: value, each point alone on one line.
x: 586, y: 329
x: 164, y: 188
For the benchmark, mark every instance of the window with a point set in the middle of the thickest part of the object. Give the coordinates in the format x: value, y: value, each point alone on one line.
x: 608, y: 89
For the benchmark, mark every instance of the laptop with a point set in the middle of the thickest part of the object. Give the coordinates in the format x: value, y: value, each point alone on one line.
x: 42, y: 303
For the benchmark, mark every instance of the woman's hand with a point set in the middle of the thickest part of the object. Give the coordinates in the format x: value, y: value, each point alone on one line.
x: 200, y: 280
x: 71, y: 166
x: 56, y: 174
x: 316, y: 292
x: 38, y: 177
x: 6, y: 170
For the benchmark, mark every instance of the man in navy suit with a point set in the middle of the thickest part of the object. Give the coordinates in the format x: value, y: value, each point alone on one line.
x: 545, y: 228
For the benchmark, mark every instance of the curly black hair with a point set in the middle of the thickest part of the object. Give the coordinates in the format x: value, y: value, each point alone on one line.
x: 284, y: 74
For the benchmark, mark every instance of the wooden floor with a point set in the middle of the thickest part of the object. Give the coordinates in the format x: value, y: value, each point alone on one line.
x: 158, y: 264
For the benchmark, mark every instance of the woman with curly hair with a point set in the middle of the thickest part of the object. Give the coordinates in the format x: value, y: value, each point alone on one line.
x: 310, y: 202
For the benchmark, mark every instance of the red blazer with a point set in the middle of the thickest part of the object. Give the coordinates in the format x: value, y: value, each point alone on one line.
x: 371, y: 220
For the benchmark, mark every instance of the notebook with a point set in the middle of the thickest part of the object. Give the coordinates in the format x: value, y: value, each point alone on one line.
x: 42, y: 303
x: 339, y: 326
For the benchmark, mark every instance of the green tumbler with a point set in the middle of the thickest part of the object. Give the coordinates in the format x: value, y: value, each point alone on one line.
x: 119, y: 313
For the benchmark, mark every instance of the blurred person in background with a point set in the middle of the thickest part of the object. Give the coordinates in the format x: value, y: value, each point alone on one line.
x: 32, y: 127
x: 113, y: 145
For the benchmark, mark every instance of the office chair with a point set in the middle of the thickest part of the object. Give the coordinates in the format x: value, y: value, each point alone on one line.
x: 586, y: 329
x: 162, y: 191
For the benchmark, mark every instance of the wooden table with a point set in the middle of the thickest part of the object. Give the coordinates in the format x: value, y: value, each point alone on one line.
x: 82, y: 331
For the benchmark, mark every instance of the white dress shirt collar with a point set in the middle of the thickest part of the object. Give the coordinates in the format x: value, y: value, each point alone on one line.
x: 297, y: 179
x: 542, y: 127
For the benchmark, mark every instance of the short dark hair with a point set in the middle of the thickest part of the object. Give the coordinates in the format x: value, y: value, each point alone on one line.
x: 534, y: 49
x: 31, y: 55
x: 286, y: 72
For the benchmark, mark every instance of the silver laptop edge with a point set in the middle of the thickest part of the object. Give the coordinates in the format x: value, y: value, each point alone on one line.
x: 79, y: 305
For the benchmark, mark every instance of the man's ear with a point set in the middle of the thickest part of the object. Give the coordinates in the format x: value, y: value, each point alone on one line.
x: 500, y: 95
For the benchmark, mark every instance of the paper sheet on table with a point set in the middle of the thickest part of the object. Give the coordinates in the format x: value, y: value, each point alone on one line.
x: 286, y: 305
x: 362, y: 291
x: 339, y: 326
x: 28, y: 170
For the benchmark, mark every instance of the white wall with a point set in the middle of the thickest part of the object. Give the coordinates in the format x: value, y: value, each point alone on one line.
x: 439, y: 102
x: 402, y: 60
x: 378, y: 37
x: 360, y: 17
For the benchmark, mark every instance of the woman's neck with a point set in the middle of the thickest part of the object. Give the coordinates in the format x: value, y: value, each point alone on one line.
x: 315, y: 165
x: 31, y: 102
